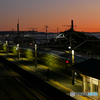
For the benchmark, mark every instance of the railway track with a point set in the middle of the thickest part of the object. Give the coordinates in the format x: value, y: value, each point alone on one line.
x: 48, y: 91
x: 30, y: 88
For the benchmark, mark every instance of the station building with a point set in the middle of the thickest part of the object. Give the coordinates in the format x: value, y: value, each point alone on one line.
x: 90, y: 71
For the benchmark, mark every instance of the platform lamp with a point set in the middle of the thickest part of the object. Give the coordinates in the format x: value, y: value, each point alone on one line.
x: 72, y: 57
x: 18, y: 52
x: 35, y: 55
x: 73, y: 73
x: 6, y: 46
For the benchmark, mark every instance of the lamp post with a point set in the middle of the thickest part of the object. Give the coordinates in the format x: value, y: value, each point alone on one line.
x: 6, y: 46
x: 35, y: 55
x: 73, y: 73
x: 72, y: 57
x: 72, y: 63
x: 18, y: 53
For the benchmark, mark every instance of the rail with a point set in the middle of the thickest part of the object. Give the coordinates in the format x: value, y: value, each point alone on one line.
x: 23, y: 82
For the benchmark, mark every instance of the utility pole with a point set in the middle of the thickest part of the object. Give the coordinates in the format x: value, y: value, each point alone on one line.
x: 18, y: 28
x: 46, y: 28
x: 71, y: 31
x: 71, y: 49
x: 71, y: 26
x: 35, y: 55
x: 46, y: 34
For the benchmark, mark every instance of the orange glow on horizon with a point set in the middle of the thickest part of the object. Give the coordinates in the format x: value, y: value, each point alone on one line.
x: 53, y: 13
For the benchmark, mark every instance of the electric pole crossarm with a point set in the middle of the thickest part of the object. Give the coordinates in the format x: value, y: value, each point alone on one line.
x: 71, y: 26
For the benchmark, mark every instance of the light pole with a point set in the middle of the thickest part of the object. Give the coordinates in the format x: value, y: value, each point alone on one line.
x: 35, y: 55
x: 73, y: 73
x: 75, y: 77
x: 6, y: 46
x: 72, y: 57
x: 18, y: 54
x: 73, y: 63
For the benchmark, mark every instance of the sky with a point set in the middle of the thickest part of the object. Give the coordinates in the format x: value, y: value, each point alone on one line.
x: 53, y: 13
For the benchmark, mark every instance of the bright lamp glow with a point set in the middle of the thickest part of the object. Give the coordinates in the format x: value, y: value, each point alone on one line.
x: 72, y: 52
x: 17, y: 45
x: 35, y: 45
x: 69, y: 47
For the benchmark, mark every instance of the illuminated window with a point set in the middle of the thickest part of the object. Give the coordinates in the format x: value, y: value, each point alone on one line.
x: 95, y: 88
x: 88, y: 86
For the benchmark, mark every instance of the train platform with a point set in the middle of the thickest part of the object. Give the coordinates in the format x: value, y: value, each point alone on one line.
x: 58, y: 79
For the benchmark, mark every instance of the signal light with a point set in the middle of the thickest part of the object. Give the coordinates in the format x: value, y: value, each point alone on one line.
x: 67, y: 61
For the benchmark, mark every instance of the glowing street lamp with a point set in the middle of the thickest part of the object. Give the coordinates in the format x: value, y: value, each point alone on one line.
x: 69, y: 47
x: 35, y: 55
x: 73, y: 64
x: 17, y: 45
x: 6, y: 42
x: 73, y: 73
x: 75, y: 76
x: 72, y: 57
x: 6, y: 46
x: 18, y: 52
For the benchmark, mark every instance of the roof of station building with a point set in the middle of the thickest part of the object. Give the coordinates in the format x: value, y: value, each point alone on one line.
x: 90, y: 67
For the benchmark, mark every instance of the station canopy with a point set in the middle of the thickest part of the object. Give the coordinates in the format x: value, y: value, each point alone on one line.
x: 90, y: 67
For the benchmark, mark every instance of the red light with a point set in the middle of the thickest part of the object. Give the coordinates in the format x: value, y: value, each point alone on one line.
x: 67, y: 61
